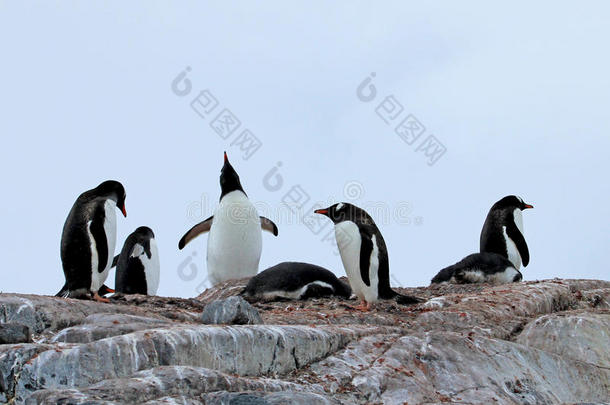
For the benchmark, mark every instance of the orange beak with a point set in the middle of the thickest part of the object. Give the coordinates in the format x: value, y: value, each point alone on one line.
x: 124, y: 213
x: 529, y: 206
x: 226, y: 157
x: 110, y: 290
x: 323, y: 212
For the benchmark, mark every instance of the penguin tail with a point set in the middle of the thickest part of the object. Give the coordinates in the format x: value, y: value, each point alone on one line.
x: 400, y: 298
x: 407, y: 299
x: 64, y: 292
x: 80, y: 293
x: 444, y: 275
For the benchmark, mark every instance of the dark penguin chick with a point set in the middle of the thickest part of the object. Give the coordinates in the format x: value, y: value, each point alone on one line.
x: 295, y: 281
x: 502, y: 232
x: 480, y: 268
x: 137, y: 267
x: 235, y: 242
x: 89, y: 238
x: 364, y: 254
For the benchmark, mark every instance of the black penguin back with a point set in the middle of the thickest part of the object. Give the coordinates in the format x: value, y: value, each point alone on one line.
x: 292, y: 276
x: 486, y: 263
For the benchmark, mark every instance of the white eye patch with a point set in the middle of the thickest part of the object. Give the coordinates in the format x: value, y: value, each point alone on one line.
x: 339, y: 206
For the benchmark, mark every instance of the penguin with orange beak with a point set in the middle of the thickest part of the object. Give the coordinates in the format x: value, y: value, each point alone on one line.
x: 364, y: 255
x: 89, y: 239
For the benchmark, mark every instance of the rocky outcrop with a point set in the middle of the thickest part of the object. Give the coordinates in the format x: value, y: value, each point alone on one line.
x: 231, y: 311
x: 527, y: 343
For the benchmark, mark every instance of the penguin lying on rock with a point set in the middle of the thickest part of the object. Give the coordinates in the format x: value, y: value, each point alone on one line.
x: 480, y: 268
x: 503, y: 248
x: 88, y: 240
x: 364, y: 254
x: 295, y: 281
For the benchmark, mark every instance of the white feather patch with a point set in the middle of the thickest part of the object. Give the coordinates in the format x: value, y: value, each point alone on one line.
x: 235, y: 241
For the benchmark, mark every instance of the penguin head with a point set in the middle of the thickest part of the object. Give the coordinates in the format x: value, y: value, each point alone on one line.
x: 105, y: 290
x: 344, y: 212
x: 229, y: 179
x: 510, y: 203
x: 113, y: 190
x: 145, y: 232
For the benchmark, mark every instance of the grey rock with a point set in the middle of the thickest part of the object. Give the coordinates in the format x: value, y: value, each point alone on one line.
x: 244, y: 350
x: 101, y: 326
x: 171, y: 381
x: 12, y: 359
x: 524, y: 343
x: 450, y: 367
x: 49, y: 314
x: 578, y: 335
x: 261, y: 398
x: 231, y: 311
x: 177, y: 400
x: 13, y: 332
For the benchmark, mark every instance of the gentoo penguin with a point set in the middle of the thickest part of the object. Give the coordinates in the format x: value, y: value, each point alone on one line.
x: 502, y: 232
x: 364, y: 254
x: 137, y: 267
x: 295, y: 281
x: 480, y: 268
x: 88, y: 240
x: 235, y: 241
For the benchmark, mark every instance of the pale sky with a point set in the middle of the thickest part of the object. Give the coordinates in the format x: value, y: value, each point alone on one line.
x: 517, y: 94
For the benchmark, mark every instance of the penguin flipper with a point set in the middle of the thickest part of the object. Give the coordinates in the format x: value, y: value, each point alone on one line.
x: 366, y: 249
x: 115, y: 261
x: 101, y: 243
x: 269, y: 225
x: 515, y: 234
x: 195, y: 231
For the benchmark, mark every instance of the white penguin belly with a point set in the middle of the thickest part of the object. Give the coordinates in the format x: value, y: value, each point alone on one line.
x: 474, y: 276
x: 235, y: 241
x: 152, y: 268
x: 97, y: 278
x: 511, y: 250
x: 506, y: 276
x: 349, y: 242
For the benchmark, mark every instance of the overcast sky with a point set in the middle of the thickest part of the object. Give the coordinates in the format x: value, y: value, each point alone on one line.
x: 508, y: 99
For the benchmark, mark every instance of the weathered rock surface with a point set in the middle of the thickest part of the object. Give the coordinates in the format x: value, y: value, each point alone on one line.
x: 231, y: 311
x: 13, y: 332
x: 526, y: 343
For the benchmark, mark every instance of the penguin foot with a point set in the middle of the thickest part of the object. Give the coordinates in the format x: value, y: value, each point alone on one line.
x: 364, y: 306
x: 96, y: 297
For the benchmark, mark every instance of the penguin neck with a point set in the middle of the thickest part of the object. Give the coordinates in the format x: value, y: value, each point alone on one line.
x: 518, y: 218
x: 235, y: 188
x: 234, y: 196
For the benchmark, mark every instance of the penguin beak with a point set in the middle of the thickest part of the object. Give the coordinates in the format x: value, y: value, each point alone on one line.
x: 528, y: 206
x: 323, y: 211
x: 226, y: 158
x: 109, y: 290
x: 124, y: 211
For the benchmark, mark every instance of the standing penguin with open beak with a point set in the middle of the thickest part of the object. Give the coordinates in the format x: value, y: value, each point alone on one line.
x: 235, y: 242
